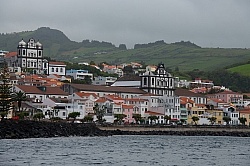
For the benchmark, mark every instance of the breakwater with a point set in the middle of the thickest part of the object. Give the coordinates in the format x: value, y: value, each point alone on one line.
x: 34, y: 129
x: 236, y: 131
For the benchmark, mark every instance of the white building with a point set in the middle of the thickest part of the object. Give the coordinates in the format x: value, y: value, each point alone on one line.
x: 30, y: 56
x: 79, y: 74
x: 161, y: 84
x: 100, y: 80
x: 233, y: 114
x: 58, y: 68
x: 58, y: 107
x: 39, y: 94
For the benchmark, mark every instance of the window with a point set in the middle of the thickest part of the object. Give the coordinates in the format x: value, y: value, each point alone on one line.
x: 23, y: 52
x: 61, y: 69
x: 145, y: 81
x: 64, y: 113
x: 56, y: 69
x: 52, y: 69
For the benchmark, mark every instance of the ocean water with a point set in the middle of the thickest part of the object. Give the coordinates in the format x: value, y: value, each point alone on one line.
x: 126, y: 151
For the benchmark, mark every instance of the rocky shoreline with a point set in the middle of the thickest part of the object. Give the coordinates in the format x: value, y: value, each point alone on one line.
x: 34, y: 129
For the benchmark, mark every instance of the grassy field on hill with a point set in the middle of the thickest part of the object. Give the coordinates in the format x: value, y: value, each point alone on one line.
x: 184, y: 55
x: 242, y: 69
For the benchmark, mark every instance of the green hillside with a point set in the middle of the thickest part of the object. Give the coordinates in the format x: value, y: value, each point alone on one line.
x: 242, y: 69
x: 184, y: 55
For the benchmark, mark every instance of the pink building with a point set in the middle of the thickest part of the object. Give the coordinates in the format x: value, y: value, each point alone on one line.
x: 128, y: 111
x: 227, y: 96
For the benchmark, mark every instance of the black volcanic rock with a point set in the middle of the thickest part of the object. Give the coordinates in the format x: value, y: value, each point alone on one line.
x: 34, y: 129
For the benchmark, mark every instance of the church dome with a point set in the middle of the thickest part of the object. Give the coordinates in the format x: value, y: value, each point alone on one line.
x: 22, y: 43
x: 38, y: 44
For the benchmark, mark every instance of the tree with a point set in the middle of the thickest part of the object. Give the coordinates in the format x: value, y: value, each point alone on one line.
x: 74, y: 115
x: 38, y: 116
x: 137, y: 117
x: 242, y: 120
x: 227, y: 119
x: 195, y: 119
x: 128, y: 69
x: 183, y: 121
x: 122, y: 47
x: 92, y: 63
x: 3, y: 114
x: 22, y: 115
x: 19, y: 97
x: 87, y: 118
x: 5, y: 89
x: 119, y: 117
x: 99, y: 112
x: 153, y: 118
x: 212, y: 120
x: 167, y: 118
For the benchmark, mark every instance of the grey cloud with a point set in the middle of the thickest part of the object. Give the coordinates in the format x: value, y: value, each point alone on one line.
x: 222, y: 23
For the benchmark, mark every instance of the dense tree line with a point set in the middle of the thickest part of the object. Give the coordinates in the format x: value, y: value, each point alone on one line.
x: 161, y: 42
x: 96, y: 72
x: 187, y: 44
x: 233, y: 81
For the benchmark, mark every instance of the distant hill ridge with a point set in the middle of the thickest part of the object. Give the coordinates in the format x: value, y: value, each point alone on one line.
x: 183, y: 55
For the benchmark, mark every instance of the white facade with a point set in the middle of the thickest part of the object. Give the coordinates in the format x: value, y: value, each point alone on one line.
x: 58, y: 68
x: 103, y: 80
x: 39, y: 95
x: 62, y: 110
x: 30, y: 56
x: 79, y: 74
x: 233, y: 114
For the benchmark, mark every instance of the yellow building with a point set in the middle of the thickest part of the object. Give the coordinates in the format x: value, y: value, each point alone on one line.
x: 197, y: 110
x: 218, y: 114
x: 245, y: 114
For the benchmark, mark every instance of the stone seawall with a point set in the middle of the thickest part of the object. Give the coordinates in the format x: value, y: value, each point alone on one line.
x: 182, y: 131
x: 33, y: 129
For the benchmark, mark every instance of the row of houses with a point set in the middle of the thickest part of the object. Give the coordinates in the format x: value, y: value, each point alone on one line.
x: 60, y: 101
x: 154, y: 92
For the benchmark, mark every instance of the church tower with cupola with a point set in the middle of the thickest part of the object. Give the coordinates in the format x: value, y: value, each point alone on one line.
x: 30, y: 56
x: 159, y: 82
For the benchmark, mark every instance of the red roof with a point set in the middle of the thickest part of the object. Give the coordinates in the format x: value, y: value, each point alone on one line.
x: 57, y: 63
x: 35, y: 90
x: 83, y: 94
x: 153, y: 113
x: 101, y: 100
x: 135, y: 99
x: 10, y: 54
x: 127, y: 106
x: 114, y: 97
x: 185, y: 100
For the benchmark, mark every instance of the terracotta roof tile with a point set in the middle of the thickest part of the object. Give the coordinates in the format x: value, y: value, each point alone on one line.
x: 36, y: 90
x: 57, y: 63
x: 153, y: 113
x: 186, y: 92
x: 111, y: 89
x: 124, y: 106
x: 10, y: 54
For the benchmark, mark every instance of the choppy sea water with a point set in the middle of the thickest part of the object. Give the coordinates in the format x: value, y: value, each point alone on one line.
x: 126, y: 151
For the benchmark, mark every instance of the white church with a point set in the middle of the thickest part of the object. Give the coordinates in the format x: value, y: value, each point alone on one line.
x: 29, y: 58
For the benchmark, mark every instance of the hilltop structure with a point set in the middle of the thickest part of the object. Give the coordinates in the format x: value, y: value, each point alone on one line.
x: 29, y: 58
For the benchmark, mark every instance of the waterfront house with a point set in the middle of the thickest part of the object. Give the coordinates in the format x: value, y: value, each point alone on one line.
x: 245, y: 113
x: 227, y: 96
x: 59, y: 107
x: 39, y: 94
x: 231, y: 112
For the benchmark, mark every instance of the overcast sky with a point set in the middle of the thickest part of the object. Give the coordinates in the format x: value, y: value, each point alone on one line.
x: 207, y: 23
